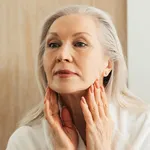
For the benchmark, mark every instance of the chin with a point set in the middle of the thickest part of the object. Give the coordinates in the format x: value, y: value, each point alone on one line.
x: 68, y: 87
x: 66, y: 90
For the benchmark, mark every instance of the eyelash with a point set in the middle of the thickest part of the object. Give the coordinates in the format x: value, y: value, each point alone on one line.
x: 58, y: 45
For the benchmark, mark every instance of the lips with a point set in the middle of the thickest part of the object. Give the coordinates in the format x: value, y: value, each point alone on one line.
x: 65, y: 71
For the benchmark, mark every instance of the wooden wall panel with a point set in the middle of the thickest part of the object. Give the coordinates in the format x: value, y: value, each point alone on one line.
x: 19, y: 30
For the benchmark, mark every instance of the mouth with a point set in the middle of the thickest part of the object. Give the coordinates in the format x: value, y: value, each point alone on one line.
x: 64, y: 73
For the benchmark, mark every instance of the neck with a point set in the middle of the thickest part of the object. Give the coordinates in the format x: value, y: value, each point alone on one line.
x: 72, y: 102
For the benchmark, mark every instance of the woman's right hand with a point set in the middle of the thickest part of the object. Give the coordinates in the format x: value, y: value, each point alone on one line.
x: 64, y: 134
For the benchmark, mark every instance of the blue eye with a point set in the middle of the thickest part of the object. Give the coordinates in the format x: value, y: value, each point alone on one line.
x: 80, y: 44
x: 53, y: 45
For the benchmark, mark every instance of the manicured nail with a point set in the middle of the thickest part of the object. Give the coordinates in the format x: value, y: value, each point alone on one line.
x: 92, y: 88
x: 97, y: 84
x: 83, y: 100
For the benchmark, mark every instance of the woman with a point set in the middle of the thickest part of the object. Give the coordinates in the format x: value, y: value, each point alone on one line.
x: 82, y: 77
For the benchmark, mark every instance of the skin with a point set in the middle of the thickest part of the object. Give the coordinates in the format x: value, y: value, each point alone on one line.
x: 76, y: 47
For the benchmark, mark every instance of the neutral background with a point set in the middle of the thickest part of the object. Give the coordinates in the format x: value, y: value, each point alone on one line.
x: 19, y: 35
x: 139, y: 47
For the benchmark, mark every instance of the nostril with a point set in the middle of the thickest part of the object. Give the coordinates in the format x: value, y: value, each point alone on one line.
x: 62, y: 60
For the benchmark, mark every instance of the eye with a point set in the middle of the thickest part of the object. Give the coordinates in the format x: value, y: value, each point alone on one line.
x: 54, y: 45
x: 80, y: 44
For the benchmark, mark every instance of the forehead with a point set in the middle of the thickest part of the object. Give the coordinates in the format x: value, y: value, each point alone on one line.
x: 74, y: 23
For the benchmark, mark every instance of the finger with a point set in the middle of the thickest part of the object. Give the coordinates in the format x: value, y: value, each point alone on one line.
x: 51, y: 110
x: 54, y: 122
x: 48, y: 112
x: 105, y: 102
x: 99, y: 102
x: 46, y: 100
x: 66, y: 117
x: 92, y: 103
x: 54, y: 103
x: 47, y: 94
x: 86, y: 112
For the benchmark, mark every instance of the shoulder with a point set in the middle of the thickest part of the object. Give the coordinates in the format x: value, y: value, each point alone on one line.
x: 140, y: 121
x: 132, y: 128
x: 20, y: 138
x: 26, y: 137
x: 134, y: 116
x: 23, y: 133
x: 143, y: 130
x: 139, y: 130
x: 144, y: 115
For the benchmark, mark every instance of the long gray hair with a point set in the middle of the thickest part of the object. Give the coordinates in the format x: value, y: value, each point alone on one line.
x: 115, y: 83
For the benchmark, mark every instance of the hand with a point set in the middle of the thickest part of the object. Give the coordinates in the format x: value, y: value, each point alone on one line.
x: 98, y: 121
x: 64, y: 136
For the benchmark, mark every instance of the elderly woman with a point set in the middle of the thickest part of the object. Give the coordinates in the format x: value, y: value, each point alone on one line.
x: 82, y: 77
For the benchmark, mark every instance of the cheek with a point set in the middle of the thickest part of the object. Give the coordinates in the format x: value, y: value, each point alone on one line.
x: 47, y: 63
x: 92, y: 68
x: 93, y: 64
x: 90, y: 71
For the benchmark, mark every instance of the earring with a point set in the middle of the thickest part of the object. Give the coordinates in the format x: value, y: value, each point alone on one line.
x: 105, y: 73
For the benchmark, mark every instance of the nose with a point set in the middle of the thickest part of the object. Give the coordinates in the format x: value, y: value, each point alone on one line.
x: 64, y: 54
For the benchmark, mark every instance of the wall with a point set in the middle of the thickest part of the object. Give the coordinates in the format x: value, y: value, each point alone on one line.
x: 139, y: 47
x: 19, y: 30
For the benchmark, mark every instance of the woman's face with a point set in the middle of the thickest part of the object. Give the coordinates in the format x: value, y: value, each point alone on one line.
x: 73, y: 56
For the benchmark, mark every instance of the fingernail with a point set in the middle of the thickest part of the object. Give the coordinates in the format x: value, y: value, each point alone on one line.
x: 97, y: 84
x: 83, y: 100
x: 92, y: 88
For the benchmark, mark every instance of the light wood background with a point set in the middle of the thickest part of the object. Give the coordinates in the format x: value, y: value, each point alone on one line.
x: 20, y: 22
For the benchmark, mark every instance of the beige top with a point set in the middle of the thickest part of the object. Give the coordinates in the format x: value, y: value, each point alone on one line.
x: 132, y: 132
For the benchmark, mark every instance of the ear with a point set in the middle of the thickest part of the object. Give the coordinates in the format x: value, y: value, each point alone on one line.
x: 107, y: 67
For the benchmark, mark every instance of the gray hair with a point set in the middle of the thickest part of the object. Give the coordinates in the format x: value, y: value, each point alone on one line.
x: 115, y: 83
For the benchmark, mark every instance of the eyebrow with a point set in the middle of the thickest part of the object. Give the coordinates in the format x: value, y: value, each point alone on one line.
x: 78, y: 33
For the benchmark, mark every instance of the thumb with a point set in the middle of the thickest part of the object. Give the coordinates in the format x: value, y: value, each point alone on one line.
x: 66, y: 117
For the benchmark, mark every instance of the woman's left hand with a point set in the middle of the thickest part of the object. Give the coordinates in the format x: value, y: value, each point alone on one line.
x: 99, y: 125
